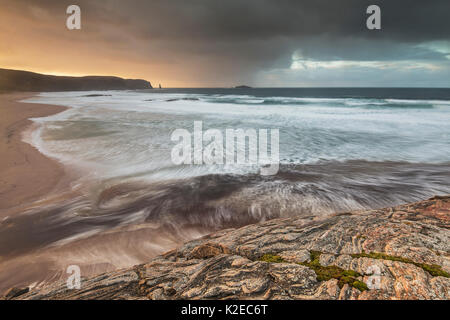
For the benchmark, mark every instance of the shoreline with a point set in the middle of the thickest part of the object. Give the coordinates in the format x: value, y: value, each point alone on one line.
x: 26, y: 175
x: 29, y: 180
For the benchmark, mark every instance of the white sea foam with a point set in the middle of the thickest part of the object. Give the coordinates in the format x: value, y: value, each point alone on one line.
x: 127, y: 133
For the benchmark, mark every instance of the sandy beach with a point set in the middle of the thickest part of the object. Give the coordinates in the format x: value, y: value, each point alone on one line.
x: 25, y: 174
x: 27, y: 177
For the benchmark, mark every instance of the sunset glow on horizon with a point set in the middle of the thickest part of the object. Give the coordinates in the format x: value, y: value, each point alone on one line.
x: 214, y: 44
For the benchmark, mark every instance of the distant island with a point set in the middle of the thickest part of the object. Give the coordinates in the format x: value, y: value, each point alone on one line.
x: 17, y: 80
x: 243, y: 87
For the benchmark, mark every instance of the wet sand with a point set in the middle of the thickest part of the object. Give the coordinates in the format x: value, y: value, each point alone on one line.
x: 31, y: 182
x: 26, y: 175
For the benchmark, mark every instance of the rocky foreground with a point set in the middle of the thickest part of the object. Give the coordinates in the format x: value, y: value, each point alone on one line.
x: 392, y: 253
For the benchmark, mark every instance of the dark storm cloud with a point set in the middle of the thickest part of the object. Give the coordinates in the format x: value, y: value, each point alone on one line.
x: 238, y: 20
x: 237, y: 38
x: 410, y: 20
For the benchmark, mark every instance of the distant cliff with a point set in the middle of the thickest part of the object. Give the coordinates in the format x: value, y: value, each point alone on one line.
x: 15, y: 80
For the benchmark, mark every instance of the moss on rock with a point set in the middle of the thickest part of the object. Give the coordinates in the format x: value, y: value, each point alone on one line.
x: 334, y: 272
x: 272, y: 258
x: 324, y: 273
x: 433, y: 269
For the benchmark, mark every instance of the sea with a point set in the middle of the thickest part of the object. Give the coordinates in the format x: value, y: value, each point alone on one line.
x: 340, y: 150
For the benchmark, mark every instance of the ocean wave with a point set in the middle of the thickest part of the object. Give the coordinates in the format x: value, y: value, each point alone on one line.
x: 216, y: 201
x: 336, y: 102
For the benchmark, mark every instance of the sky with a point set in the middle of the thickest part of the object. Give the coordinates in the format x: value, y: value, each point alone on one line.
x: 224, y: 43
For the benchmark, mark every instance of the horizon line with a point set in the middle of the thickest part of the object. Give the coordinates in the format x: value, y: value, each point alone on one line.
x: 249, y: 87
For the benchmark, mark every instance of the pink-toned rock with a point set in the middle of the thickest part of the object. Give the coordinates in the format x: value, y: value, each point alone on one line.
x: 407, y: 243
